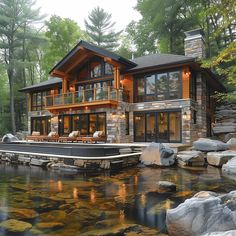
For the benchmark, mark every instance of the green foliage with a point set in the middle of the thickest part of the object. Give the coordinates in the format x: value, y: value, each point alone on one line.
x: 162, y: 23
x: 16, y: 19
x: 62, y: 35
x: 99, y: 27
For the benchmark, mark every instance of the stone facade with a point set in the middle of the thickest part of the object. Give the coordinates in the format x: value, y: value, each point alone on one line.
x: 194, y: 44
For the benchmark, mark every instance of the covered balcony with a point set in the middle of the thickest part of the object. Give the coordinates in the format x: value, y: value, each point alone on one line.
x: 86, y: 97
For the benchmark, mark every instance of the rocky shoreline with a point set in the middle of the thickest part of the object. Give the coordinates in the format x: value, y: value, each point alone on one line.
x: 206, y: 213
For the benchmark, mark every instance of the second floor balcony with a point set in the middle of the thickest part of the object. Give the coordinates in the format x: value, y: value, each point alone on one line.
x: 89, y: 97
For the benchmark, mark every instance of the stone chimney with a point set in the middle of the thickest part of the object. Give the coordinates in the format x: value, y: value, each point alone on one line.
x: 194, y: 43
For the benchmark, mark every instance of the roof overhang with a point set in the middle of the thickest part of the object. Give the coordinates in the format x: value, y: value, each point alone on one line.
x: 81, y: 53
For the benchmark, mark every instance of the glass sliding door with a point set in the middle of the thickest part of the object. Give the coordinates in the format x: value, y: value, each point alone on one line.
x: 41, y: 124
x: 174, y: 125
x: 87, y: 124
x: 150, y: 127
x: 162, y: 123
x: 92, y: 123
x: 157, y: 126
x: 139, y: 127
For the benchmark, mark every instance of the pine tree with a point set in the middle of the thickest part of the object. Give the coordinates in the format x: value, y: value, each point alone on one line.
x: 99, y: 27
x: 16, y: 17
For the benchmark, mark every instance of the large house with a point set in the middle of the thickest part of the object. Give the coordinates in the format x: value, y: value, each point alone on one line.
x: 154, y: 98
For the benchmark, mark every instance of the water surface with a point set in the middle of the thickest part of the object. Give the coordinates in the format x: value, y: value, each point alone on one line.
x: 59, y: 203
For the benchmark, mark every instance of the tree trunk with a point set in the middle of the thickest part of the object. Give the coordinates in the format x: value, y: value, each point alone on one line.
x: 12, y: 108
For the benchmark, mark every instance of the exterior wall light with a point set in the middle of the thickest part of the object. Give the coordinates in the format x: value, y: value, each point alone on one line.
x: 185, y: 115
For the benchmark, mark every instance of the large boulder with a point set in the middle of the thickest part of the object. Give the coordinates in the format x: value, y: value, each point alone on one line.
x: 232, y: 143
x: 157, y: 154
x: 8, y: 138
x: 190, y: 158
x: 220, y: 158
x: 230, y: 166
x: 206, y: 212
x: 209, y: 145
x: 227, y: 233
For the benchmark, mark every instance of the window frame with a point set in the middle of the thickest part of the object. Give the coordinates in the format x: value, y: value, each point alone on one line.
x: 166, y: 93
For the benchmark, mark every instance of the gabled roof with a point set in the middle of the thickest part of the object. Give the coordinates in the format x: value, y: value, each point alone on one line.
x: 159, y: 60
x: 45, y: 84
x: 96, y: 49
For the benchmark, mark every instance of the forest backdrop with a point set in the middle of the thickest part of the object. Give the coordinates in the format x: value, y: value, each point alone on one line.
x: 30, y: 46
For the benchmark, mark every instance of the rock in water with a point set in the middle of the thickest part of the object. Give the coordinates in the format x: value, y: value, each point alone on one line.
x: 15, y: 226
x: 220, y: 158
x: 230, y: 166
x: 232, y: 143
x: 206, y: 212
x: 227, y: 233
x: 190, y: 158
x: 157, y: 154
x: 208, y: 145
x: 166, y: 185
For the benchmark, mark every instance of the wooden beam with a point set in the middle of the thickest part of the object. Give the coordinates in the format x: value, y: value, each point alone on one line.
x: 58, y: 73
x: 76, y: 62
x: 112, y: 62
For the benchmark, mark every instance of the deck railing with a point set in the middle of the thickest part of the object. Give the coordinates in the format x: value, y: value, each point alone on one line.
x: 84, y: 96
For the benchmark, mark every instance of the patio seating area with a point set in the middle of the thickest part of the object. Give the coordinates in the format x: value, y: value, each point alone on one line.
x: 74, y: 136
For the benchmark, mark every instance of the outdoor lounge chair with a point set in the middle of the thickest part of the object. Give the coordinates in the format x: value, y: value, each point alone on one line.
x: 72, y: 137
x: 52, y: 137
x: 98, y: 136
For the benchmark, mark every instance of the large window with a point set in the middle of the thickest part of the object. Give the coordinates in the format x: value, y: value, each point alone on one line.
x: 161, y: 86
x: 41, y: 124
x: 87, y: 124
x: 95, y: 68
x: 37, y: 100
x: 157, y: 126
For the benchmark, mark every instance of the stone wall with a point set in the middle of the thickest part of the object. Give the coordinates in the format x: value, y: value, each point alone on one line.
x: 225, y: 122
x: 201, y: 125
x: 185, y: 105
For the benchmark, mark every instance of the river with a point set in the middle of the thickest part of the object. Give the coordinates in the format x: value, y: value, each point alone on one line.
x: 105, y: 203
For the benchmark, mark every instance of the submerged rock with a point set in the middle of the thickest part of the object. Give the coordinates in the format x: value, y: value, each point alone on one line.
x: 15, y: 226
x: 190, y: 158
x: 157, y: 154
x: 219, y: 158
x: 206, y: 212
x: 230, y: 166
x: 208, y: 145
x: 50, y: 225
x: 19, y: 213
x: 122, y: 229
x: 53, y: 216
x: 166, y: 185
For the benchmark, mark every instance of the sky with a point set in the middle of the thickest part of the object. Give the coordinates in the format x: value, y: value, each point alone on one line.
x: 122, y: 10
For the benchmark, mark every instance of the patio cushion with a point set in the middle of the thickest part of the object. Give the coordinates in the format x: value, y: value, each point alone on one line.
x: 35, y: 133
x: 52, y: 134
x: 98, y: 134
x: 74, y: 134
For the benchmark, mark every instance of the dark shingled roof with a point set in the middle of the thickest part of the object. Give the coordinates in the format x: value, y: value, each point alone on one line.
x: 44, y: 84
x: 159, y: 60
x: 96, y: 49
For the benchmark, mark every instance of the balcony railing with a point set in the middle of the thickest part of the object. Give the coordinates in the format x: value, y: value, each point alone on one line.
x: 84, y: 96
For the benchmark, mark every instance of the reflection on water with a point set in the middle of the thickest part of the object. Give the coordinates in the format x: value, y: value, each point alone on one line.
x: 57, y: 203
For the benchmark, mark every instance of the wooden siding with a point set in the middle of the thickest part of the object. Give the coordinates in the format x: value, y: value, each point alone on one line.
x: 128, y: 86
x: 185, y: 82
